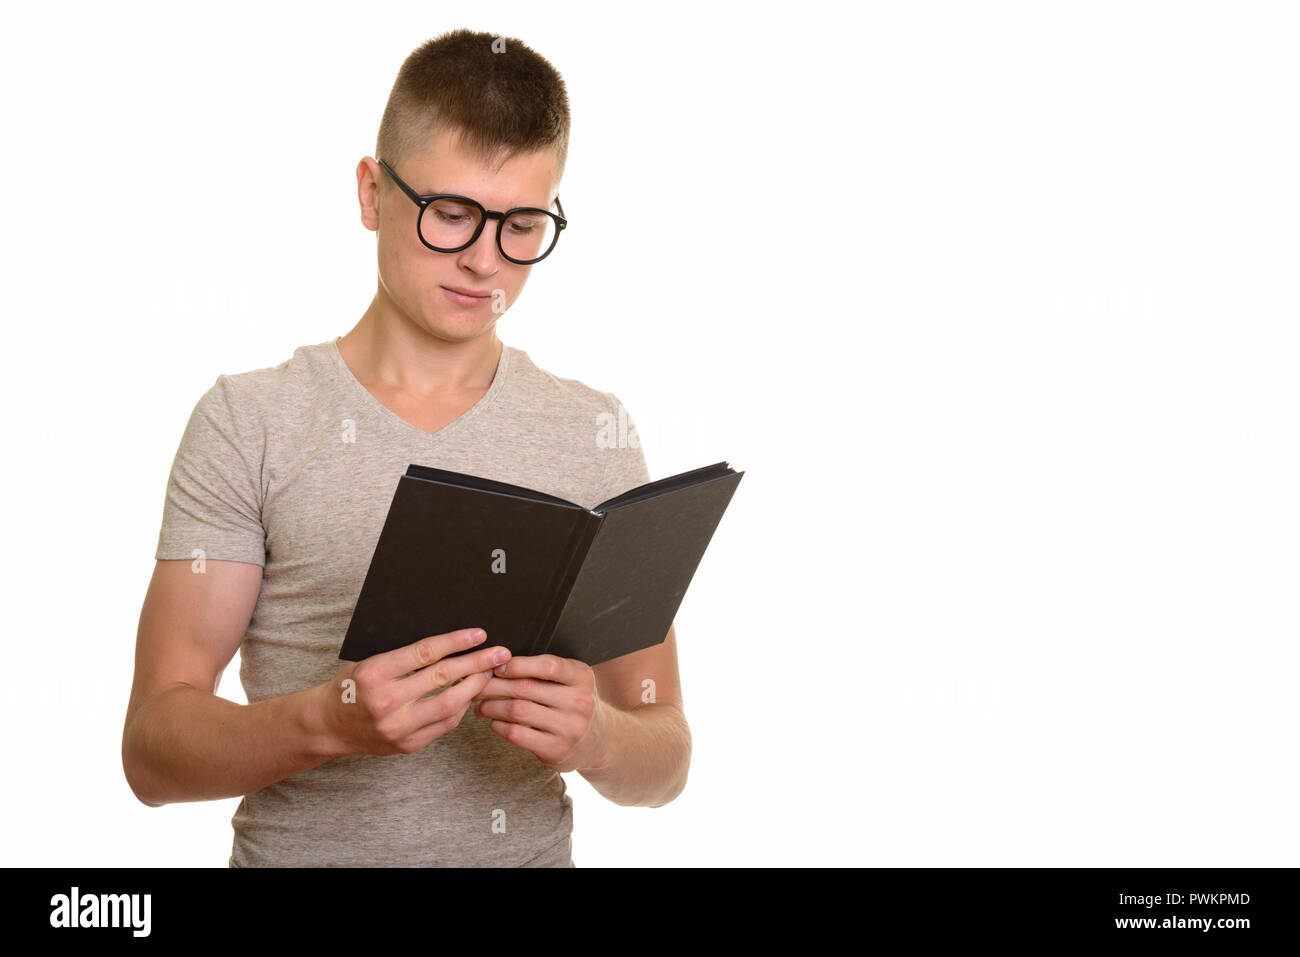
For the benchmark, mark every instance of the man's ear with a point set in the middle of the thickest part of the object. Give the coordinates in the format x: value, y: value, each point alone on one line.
x: 369, y: 204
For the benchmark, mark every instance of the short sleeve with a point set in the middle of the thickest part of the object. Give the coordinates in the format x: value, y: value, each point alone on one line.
x: 214, y: 493
x: 622, y: 459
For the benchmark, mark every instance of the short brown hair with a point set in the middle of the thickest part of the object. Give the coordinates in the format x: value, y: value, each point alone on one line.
x: 511, y: 101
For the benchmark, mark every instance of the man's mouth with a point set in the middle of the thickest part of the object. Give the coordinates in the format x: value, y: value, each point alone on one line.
x: 466, y: 297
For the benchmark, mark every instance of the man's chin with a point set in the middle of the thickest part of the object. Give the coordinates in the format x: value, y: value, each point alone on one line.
x: 459, y: 328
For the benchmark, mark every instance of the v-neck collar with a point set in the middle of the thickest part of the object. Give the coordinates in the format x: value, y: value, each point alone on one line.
x: 498, y: 381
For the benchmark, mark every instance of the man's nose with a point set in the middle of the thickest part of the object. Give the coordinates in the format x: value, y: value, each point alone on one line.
x: 482, y: 256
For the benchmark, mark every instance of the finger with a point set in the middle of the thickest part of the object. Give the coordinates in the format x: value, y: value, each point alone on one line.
x: 526, y: 713
x: 400, y: 661
x: 543, y: 692
x: 567, y: 671
x: 427, y: 711
x: 538, y: 742
x: 420, y: 739
x: 446, y: 671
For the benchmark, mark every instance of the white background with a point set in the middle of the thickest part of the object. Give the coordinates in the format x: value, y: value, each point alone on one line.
x: 994, y: 303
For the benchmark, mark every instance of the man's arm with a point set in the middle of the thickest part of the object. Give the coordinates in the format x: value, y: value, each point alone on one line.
x: 183, y: 743
x: 644, y: 740
x: 180, y: 741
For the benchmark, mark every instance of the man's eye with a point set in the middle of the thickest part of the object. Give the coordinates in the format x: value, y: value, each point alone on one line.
x: 452, y: 217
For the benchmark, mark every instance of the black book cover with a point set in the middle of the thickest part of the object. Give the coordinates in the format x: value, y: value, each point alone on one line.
x: 539, y: 574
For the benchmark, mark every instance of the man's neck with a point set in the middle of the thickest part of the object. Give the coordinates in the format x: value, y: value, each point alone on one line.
x: 394, y: 357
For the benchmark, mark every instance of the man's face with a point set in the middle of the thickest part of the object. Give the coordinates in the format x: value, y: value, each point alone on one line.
x: 417, y: 280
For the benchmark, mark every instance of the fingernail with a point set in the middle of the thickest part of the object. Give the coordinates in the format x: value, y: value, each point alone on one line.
x: 501, y: 656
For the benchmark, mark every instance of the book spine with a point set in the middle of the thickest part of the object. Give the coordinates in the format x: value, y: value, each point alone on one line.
x: 558, y: 594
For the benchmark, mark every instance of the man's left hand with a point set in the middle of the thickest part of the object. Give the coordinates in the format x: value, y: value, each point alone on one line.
x: 547, y: 705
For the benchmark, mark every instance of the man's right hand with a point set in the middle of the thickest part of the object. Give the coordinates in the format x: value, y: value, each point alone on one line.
x: 389, y: 706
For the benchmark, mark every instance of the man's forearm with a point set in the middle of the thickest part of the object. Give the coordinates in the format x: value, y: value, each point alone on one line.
x: 647, y: 753
x: 189, y: 745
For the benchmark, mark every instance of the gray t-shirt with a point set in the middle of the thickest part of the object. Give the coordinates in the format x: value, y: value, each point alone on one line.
x: 293, y: 467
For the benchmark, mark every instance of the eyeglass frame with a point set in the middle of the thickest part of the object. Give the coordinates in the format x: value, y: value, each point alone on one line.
x: 425, y: 200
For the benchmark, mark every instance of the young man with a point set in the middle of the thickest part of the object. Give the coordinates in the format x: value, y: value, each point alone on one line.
x: 281, y: 485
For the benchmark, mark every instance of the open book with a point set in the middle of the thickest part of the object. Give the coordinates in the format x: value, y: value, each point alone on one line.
x: 540, y: 575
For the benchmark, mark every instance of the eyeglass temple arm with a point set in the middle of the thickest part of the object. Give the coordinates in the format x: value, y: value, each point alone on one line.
x: 415, y: 197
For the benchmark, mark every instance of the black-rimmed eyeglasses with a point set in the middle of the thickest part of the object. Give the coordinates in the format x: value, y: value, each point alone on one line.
x: 448, y: 223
